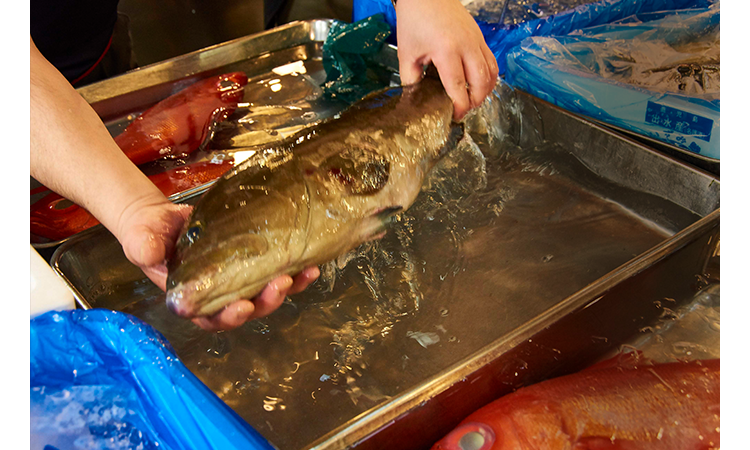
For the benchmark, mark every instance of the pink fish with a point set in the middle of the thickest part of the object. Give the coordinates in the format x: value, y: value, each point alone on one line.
x: 661, y: 406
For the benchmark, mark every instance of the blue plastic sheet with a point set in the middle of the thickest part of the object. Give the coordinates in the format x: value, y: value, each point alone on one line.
x: 584, y: 73
x: 102, y: 379
x: 502, y: 38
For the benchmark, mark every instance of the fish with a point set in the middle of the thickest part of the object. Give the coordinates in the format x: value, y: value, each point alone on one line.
x: 311, y: 198
x: 175, y: 126
x: 55, y: 217
x: 608, y: 406
x: 180, y: 123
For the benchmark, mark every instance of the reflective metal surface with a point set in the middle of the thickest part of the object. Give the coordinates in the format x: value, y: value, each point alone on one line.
x: 529, y: 254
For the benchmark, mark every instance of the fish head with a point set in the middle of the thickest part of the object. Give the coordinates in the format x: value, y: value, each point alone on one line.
x: 237, y: 237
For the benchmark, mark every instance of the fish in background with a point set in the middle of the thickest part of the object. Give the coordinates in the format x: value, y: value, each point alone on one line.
x: 179, y: 124
x: 176, y: 126
x: 613, y: 406
x: 310, y: 198
x: 55, y: 217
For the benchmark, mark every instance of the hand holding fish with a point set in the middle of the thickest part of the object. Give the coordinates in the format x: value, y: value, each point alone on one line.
x: 444, y: 33
x: 73, y: 154
x: 148, y: 230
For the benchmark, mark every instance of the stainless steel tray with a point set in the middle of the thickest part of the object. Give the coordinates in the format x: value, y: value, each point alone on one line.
x: 555, y: 258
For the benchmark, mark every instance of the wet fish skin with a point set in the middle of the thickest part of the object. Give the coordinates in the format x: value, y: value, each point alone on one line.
x: 672, y: 406
x: 311, y: 198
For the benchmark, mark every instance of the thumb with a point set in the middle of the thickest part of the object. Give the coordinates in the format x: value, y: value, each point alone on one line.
x: 143, y: 247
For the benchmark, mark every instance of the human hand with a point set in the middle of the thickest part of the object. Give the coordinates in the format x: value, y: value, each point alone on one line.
x: 444, y: 33
x: 148, y: 229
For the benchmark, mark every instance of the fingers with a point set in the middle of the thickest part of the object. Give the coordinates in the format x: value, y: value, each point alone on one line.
x: 239, y: 312
x: 150, y: 236
x: 228, y: 318
x: 157, y: 274
x: 272, y: 296
x: 410, y: 69
x: 304, y: 279
x: 263, y: 304
x: 453, y: 79
x: 480, y: 73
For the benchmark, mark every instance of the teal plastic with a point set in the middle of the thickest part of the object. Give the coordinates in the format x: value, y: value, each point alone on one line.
x: 105, y: 379
x: 348, y: 52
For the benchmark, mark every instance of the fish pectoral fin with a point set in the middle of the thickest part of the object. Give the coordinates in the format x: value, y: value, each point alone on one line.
x: 388, y: 212
x: 454, y: 136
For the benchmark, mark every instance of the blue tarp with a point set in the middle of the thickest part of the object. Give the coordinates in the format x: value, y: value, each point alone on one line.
x: 584, y: 73
x: 105, y: 379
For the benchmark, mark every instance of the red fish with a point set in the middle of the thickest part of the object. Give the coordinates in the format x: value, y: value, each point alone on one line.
x: 54, y: 217
x: 661, y: 406
x: 179, y: 124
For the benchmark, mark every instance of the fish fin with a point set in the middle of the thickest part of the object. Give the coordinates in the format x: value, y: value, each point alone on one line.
x: 454, y: 136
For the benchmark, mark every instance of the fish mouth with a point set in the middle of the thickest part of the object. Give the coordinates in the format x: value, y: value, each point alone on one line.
x: 187, y: 300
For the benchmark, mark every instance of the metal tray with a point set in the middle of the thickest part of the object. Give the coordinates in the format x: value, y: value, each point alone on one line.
x: 560, y: 255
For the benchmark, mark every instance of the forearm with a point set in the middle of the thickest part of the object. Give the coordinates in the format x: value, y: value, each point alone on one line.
x: 73, y: 154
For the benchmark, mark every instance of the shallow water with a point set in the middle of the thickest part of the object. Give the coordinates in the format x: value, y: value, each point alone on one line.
x: 497, y: 235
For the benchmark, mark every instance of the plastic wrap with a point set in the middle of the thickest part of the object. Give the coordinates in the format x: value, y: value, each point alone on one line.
x: 501, y: 38
x: 653, y: 74
x: 104, y: 379
x: 514, y: 12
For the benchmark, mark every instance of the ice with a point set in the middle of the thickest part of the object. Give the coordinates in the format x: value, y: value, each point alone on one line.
x: 88, y: 417
x: 512, y: 12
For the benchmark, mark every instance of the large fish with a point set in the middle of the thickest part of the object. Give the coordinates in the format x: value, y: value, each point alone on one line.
x: 671, y: 406
x: 315, y: 196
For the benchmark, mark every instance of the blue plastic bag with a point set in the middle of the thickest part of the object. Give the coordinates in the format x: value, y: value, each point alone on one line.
x: 103, y: 379
x: 502, y: 38
x: 584, y: 73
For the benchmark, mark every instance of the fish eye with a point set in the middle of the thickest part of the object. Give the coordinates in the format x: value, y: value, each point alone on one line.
x: 194, y: 232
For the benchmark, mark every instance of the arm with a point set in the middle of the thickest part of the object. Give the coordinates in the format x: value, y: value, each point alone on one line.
x: 73, y: 154
x: 444, y: 33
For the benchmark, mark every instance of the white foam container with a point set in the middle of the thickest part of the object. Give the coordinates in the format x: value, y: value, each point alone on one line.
x: 48, y: 291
